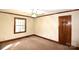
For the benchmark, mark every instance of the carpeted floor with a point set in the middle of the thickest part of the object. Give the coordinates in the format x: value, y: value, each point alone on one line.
x: 33, y: 43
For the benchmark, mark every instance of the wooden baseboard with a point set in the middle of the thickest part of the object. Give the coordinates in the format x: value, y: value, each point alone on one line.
x: 77, y: 48
x: 46, y: 38
x: 17, y: 38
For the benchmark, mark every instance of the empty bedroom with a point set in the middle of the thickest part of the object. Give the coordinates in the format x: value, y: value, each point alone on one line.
x: 39, y: 29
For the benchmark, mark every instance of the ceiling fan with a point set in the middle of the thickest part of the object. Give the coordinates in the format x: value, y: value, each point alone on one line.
x: 36, y: 12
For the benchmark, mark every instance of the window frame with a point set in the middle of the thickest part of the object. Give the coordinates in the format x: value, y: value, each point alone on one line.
x: 15, y: 18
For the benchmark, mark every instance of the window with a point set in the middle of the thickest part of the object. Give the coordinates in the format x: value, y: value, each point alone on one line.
x: 19, y: 25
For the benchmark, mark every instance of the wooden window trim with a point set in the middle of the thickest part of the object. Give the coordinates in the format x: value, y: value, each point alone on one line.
x: 15, y: 25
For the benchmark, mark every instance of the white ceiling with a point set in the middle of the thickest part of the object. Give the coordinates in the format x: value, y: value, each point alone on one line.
x: 44, y: 7
x: 28, y: 12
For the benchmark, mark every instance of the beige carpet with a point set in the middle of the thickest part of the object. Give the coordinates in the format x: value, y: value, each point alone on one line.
x: 33, y: 43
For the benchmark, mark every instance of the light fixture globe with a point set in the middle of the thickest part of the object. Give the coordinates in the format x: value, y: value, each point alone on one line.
x: 34, y: 13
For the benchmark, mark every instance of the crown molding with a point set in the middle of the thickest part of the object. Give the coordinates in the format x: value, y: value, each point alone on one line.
x: 58, y: 13
x: 39, y: 16
x: 15, y: 14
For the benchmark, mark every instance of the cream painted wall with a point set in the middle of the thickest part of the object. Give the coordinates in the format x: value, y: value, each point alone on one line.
x: 47, y: 26
x: 7, y: 27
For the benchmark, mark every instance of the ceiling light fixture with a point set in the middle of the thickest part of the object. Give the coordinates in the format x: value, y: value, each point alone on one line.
x: 34, y: 13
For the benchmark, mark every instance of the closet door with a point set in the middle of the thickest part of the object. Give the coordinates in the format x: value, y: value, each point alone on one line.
x: 65, y: 30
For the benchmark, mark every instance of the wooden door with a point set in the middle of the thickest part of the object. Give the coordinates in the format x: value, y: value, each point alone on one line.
x: 65, y: 30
